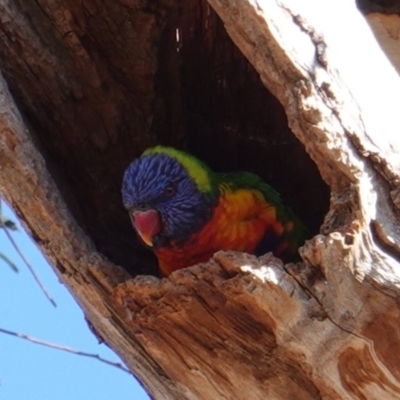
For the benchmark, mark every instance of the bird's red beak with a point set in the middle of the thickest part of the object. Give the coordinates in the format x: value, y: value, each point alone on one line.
x: 147, y: 224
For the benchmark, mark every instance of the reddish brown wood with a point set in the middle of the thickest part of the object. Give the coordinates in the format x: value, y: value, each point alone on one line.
x: 96, y: 82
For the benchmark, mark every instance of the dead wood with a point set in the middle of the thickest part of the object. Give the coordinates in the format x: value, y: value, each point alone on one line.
x: 92, y: 84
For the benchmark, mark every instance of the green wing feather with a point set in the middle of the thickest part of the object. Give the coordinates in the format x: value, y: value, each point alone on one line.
x: 248, y: 180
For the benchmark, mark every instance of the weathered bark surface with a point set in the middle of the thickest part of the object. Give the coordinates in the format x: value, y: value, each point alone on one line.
x: 98, y: 82
x: 387, y: 31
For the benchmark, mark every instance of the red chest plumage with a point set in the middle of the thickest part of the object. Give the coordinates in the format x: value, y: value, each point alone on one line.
x: 239, y: 222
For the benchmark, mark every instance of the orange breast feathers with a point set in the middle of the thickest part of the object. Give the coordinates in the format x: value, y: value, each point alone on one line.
x: 239, y: 222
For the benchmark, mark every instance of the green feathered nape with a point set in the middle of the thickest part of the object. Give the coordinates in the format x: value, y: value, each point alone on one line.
x: 205, y: 179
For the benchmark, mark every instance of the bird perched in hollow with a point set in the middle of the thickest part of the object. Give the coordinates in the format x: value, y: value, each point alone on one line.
x: 185, y: 212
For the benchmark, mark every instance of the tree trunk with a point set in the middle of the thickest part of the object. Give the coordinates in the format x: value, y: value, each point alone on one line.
x: 309, y: 95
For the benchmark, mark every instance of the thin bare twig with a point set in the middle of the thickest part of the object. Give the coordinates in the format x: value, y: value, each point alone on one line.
x: 65, y: 348
x: 27, y: 263
x: 9, y: 262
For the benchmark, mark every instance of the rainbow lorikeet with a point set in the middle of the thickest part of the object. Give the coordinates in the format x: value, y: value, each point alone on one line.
x: 185, y: 212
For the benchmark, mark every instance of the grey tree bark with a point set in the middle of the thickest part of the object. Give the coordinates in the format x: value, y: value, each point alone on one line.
x: 86, y: 85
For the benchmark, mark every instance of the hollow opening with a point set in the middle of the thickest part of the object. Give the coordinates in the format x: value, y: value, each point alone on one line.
x: 183, y: 84
x: 229, y: 118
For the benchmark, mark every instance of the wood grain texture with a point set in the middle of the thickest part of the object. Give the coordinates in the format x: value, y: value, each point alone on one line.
x: 238, y: 326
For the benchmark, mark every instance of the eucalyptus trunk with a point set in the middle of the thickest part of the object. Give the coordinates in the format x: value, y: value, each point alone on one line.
x: 298, y: 92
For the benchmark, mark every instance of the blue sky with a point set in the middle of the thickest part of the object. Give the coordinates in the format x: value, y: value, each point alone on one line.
x: 30, y: 371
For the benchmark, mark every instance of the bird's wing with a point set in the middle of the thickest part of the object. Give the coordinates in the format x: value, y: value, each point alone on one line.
x: 294, y: 230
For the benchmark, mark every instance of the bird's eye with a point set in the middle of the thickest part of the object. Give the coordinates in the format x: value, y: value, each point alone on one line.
x: 170, y: 190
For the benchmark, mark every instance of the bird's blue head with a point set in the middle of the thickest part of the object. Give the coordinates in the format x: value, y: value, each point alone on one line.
x: 169, y: 195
